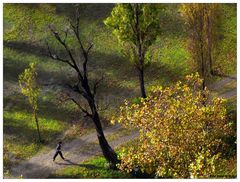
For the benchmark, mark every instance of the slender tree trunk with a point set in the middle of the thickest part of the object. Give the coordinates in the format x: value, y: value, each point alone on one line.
x: 36, y: 120
x: 139, y: 48
x: 141, y: 80
x: 203, y: 70
x: 201, y: 39
x: 209, y: 37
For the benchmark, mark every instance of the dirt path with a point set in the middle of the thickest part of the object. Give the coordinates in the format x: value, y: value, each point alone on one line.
x: 85, y: 147
x: 77, y: 151
x: 223, y: 89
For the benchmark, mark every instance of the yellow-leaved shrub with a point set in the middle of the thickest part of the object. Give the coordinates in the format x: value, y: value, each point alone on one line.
x: 180, y: 130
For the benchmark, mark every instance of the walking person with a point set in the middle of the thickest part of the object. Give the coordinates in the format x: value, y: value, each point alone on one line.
x: 58, y: 151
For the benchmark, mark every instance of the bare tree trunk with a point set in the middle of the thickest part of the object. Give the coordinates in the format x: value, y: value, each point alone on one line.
x: 36, y: 120
x: 107, y: 151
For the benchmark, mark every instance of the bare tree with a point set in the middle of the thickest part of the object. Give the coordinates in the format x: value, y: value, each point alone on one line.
x: 82, y: 87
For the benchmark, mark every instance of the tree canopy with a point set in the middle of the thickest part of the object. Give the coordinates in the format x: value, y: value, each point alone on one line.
x: 122, y: 22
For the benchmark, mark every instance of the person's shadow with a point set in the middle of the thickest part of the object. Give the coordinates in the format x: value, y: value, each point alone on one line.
x: 70, y: 163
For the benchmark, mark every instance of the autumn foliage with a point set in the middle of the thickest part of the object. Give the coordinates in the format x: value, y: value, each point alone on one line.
x: 180, y: 131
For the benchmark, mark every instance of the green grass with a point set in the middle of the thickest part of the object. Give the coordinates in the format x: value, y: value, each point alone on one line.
x: 21, y: 134
x: 95, y: 168
x: 19, y: 127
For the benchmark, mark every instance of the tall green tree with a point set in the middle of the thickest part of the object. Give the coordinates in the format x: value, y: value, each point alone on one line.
x: 29, y: 88
x: 136, y: 26
x: 204, y: 22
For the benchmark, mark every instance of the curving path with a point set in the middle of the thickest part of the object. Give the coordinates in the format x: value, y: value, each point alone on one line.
x: 75, y: 152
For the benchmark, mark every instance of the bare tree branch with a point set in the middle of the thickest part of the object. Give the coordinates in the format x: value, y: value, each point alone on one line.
x: 69, y: 97
x: 57, y: 36
x: 103, y: 108
x: 56, y: 57
x: 87, y: 114
x: 66, y: 35
x: 89, y: 48
x: 96, y: 85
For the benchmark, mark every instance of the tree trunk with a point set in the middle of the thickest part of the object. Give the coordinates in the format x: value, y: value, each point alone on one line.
x: 203, y: 70
x: 201, y: 38
x: 140, y: 65
x: 141, y: 80
x: 209, y: 37
x: 36, y: 120
x: 108, y: 152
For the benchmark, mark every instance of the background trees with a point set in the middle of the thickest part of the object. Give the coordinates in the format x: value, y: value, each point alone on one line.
x: 204, y: 21
x: 136, y: 26
x: 179, y: 136
x: 29, y: 88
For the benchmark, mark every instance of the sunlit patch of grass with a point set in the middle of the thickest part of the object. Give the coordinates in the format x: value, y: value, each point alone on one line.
x: 94, y: 168
x: 26, y: 119
x: 21, y: 134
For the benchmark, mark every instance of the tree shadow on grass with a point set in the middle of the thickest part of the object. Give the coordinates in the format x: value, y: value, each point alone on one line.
x: 70, y: 163
x: 12, y: 69
x: 18, y: 129
x: 89, y: 11
x: 47, y: 109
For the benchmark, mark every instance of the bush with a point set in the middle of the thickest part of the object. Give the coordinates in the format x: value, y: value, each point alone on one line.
x: 180, y: 131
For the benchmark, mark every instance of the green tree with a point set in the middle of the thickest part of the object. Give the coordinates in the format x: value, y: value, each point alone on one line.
x: 29, y: 88
x: 204, y: 22
x: 136, y: 26
x: 179, y: 135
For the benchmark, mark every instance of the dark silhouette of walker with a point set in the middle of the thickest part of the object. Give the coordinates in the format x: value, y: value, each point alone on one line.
x: 58, y: 151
